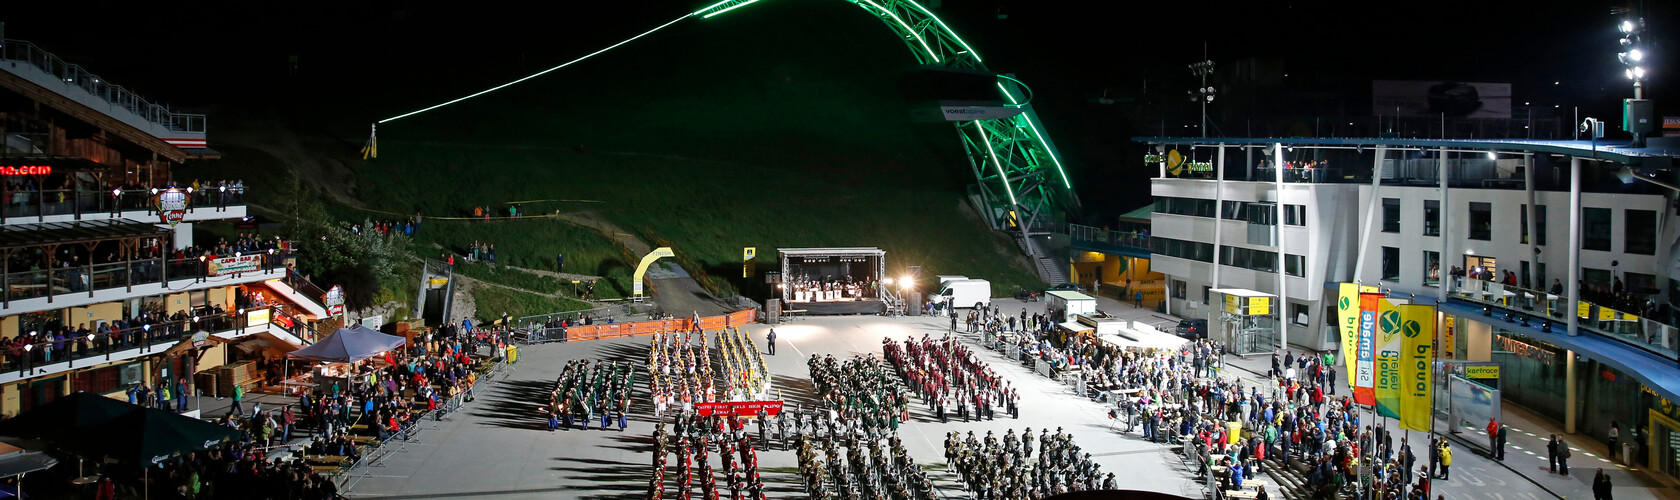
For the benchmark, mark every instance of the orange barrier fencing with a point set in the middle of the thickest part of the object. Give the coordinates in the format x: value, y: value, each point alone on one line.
x: 592, y: 332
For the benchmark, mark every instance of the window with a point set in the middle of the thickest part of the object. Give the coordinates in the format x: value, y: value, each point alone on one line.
x: 1391, y: 215
x: 1294, y: 265
x: 1262, y: 213
x: 1431, y: 268
x: 1256, y: 260
x: 1206, y: 290
x: 1481, y: 221
x: 1595, y: 277
x: 1234, y: 210
x: 1298, y: 314
x: 1595, y: 229
x: 1539, y: 223
x: 1640, y: 284
x: 1390, y: 264
x: 1178, y: 289
x: 1182, y: 249
x: 1431, y: 217
x: 1641, y: 232
x: 1184, y: 206
x: 1295, y: 215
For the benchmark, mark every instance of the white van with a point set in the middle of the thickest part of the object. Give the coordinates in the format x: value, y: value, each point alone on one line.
x: 965, y: 293
x: 947, y: 278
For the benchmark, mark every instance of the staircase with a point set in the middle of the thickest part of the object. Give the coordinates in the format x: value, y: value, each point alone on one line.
x: 1291, y: 480
x: 1048, y: 269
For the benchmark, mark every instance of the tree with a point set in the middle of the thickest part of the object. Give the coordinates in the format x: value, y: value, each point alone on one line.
x: 333, y: 251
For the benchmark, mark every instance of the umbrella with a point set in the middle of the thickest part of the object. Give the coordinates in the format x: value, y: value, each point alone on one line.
x: 65, y: 417
x: 148, y: 437
x: 347, y: 345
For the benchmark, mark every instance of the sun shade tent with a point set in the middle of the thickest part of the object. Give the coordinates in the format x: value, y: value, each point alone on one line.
x: 348, y: 345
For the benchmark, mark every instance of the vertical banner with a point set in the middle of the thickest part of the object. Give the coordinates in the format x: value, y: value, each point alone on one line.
x: 1388, y: 359
x: 1364, y: 374
x: 1347, y: 309
x: 1448, y: 344
x: 749, y: 261
x: 1417, y: 368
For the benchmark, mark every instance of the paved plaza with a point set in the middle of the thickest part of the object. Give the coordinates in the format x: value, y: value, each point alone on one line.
x: 500, y: 446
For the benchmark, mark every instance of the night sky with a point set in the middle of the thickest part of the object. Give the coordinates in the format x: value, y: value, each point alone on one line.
x: 214, y: 54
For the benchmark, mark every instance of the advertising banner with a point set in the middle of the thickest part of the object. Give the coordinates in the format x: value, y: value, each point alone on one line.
x: 257, y: 317
x: 1365, y: 370
x: 231, y: 265
x: 1473, y: 403
x: 1417, y: 326
x: 1388, y: 359
x: 1259, y: 306
x: 1233, y: 304
x: 1347, y: 312
x: 172, y: 206
x: 1433, y: 98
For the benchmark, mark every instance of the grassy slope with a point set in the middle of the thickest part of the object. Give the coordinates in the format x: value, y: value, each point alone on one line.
x: 775, y: 127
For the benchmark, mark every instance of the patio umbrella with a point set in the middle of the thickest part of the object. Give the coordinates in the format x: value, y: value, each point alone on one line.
x: 148, y: 437
x: 65, y: 417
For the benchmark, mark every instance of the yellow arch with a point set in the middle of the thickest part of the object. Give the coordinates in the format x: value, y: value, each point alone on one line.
x: 641, y: 269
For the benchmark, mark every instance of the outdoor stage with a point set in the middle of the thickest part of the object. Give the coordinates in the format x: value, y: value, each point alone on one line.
x: 832, y: 281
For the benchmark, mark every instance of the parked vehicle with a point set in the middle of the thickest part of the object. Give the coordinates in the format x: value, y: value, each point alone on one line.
x: 1193, y: 329
x: 965, y: 293
x: 1025, y: 295
x: 1064, y: 305
x: 1067, y: 287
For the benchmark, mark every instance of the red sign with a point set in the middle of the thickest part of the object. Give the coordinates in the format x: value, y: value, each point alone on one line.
x: 739, y: 408
x: 26, y: 170
x: 172, y: 206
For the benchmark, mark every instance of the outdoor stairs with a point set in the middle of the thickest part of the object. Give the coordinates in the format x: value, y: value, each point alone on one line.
x: 1048, y: 270
x: 1291, y: 480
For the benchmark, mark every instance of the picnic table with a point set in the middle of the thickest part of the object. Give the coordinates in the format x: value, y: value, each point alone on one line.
x: 1242, y: 494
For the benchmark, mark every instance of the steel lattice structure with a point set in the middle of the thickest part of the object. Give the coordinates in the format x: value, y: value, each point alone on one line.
x: 1019, y: 177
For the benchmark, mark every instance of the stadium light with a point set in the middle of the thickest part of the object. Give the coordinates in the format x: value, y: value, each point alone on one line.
x: 888, y: 281
x: 1636, y: 55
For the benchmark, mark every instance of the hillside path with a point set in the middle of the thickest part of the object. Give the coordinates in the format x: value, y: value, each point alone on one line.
x: 673, y: 288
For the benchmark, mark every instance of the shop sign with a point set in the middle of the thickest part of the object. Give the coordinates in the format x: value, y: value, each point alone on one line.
x: 1526, y: 350
x: 201, y: 339
x: 172, y: 206
x: 1482, y: 372
x: 257, y: 317
x: 235, y: 264
x: 26, y: 170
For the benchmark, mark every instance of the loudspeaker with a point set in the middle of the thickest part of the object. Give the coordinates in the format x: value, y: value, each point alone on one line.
x: 913, y: 304
x: 772, y: 311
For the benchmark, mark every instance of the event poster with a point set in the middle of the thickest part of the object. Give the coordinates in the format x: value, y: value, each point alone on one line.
x: 1365, y: 376
x: 1388, y: 359
x: 1417, y: 369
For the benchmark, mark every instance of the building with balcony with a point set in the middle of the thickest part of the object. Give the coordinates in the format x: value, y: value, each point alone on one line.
x: 101, y: 286
x: 1555, y: 259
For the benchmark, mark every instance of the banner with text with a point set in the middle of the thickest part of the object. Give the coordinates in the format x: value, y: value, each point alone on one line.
x: 1417, y: 368
x: 738, y: 408
x: 239, y: 264
x: 1365, y: 376
x: 1388, y: 359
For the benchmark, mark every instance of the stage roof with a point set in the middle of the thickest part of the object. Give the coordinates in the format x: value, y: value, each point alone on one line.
x: 831, y: 252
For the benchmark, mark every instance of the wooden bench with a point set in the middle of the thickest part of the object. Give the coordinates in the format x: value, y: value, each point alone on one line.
x: 363, y: 439
x: 326, y: 459
x: 327, y: 469
x: 1242, y: 494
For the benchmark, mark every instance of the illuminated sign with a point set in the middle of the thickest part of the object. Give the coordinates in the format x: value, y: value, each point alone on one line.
x: 257, y: 317
x: 26, y: 170
x: 172, y: 206
x: 1482, y: 372
x: 237, y: 264
x: 1519, y: 348
x: 335, y: 301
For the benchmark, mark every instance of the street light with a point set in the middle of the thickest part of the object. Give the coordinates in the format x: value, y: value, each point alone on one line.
x: 1204, y: 93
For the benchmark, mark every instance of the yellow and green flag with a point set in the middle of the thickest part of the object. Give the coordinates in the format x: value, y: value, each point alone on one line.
x: 1388, y: 359
x: 1417, y: 367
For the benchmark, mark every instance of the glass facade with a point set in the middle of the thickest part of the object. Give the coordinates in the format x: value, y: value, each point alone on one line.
x: 1531, y: 373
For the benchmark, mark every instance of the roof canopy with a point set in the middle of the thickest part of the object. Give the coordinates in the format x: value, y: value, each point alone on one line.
x: 348, y: 345
x: 48, y: 233
x: 1617, y: 151
x: 832, y: 252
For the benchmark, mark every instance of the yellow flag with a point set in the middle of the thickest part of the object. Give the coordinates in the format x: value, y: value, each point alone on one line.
x: 1417, y: 367
x: 1388, y: 359
x: 1347, y: 310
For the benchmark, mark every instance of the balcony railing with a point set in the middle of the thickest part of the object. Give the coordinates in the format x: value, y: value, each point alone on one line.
x: 86, y: 279
x: 115, y: 95
x: 41, y: 203
x: 34, y: 348
x: 1090, y: 234
x: 1650, y: 334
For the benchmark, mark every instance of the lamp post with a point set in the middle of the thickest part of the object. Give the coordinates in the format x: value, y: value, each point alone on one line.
x: 1632, y: 53
x: 1204, y: 93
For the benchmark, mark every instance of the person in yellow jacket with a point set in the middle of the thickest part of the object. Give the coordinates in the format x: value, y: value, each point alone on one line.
x: 1446, y: 460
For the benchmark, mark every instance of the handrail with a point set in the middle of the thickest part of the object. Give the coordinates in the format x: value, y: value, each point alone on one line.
x: 88, y: 278
x: 1118, y: 238
x: 18, y: 203
x: 22, y: 357
x: 116, y: 95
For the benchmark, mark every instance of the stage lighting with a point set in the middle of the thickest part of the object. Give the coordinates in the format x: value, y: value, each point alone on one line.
x: 1546, y: 327
x: 1487, y: 311
x: 888, y: 281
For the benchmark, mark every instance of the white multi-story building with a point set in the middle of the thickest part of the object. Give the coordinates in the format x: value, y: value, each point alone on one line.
x: 1498, y: 233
